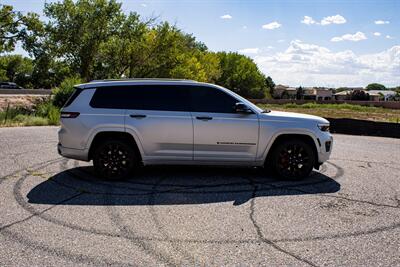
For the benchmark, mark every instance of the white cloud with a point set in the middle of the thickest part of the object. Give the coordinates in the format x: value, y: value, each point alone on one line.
x: 308, y: 20
x: 337, y: 19
x: 281, y: 40
x: 249, y: 50
x: 312, y: 65
x: 244, y: 27
x: 358, y: 36
x: 389, y: 37
x: 271, y: 26
x: 377, y: 33
x: 256, y: 50
x: 381, y: 22
x: 227, y: 16
x: 143, y: 5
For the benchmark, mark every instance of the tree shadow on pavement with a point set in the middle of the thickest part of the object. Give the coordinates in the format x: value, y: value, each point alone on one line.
x: 173, y: 185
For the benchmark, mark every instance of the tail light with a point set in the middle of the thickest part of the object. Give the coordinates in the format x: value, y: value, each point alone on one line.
x: 69, y: 115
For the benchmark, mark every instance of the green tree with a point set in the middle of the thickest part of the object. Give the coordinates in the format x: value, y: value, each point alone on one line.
x: 359, y: 95
x: 79, y: 28
x: 271, y: 85
x: 16, y: 68
x: 241, y: 75
x: 299, y: 93
x: 375, y: 86
x: 9, y: 23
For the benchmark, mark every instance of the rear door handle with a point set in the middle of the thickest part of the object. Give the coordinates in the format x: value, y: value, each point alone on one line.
x: 205, y: 118
x: 137, y: 116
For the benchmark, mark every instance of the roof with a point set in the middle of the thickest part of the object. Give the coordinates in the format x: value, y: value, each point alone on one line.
x: 343, y: 93
x: 383, y: 92
x: 108, y: 82
x: 140, y: 79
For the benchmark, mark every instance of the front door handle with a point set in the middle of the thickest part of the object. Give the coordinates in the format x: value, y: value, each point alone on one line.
x: 137, y: 116
x: 205, y: 118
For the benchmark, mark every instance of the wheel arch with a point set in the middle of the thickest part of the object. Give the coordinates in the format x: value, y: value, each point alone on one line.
x: 304, y: 136
x: 119, y: 135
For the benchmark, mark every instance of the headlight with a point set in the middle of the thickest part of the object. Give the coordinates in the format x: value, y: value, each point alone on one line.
x: 323, y: 127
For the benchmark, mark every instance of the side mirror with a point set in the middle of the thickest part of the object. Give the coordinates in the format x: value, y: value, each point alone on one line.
x: 242, y: 108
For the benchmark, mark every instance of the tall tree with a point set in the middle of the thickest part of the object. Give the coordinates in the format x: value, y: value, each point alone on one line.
x: 13, y: 26
x: 9, y: 23
x: 79, y: 28
x: 375, y: 86
x: 270, y: 84
x: 16, y: 68
x: 240, y: 74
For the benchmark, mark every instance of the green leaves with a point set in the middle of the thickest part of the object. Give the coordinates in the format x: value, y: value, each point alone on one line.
x: 241, y: 74
x: 95, y: 39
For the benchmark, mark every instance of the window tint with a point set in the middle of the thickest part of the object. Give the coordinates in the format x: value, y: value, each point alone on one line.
x: 208, y: 99
x: 73, y: 96
x: 146, y: 97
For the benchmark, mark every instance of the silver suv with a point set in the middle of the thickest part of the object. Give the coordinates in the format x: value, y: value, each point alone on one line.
x: 121, y: 124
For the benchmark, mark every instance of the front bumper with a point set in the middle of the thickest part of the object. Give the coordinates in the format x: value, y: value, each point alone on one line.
x: 78, y: 154
x: 325, y: 142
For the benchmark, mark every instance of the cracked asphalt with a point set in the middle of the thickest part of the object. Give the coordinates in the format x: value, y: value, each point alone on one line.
x: 54, y: 211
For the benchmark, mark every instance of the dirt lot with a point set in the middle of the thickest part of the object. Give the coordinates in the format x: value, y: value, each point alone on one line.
x: 26, y: 101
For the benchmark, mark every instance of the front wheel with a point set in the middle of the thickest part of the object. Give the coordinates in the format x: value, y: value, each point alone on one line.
x: 293, y: 159
x: 114, y: 159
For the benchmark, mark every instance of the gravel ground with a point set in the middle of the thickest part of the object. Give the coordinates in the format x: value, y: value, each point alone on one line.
x: 53, y: 211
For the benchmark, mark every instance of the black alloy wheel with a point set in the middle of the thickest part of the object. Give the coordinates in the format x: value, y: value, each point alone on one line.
x: 293, y: 159
x: 114, y: 160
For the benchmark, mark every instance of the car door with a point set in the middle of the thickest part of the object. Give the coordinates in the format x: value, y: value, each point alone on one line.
x: 221, y: 134
x: 158, y: 115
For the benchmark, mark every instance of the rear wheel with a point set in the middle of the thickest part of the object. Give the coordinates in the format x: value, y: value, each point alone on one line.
x: 114, y: 159
x: 293, y: 159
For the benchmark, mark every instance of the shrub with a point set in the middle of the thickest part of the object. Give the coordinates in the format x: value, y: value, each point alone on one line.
x: 49, y: 111
x: 63, y: 92
x: 35, y: 121
x: 53, y: 115
x: 28, y: 120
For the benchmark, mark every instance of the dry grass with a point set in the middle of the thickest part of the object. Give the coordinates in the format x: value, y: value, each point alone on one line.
x: 340, y: 111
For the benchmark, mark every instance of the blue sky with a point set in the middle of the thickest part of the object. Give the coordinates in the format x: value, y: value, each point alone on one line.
x: 339, y: 43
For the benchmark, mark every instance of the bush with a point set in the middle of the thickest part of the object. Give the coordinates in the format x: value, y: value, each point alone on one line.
x: 28, y: 120
x: 53, y: 115
x: 64, y: 91
x: 49, y: 111
x: 35, y: 121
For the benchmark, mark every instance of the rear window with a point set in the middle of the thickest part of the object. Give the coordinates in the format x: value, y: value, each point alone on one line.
x: 142, y: 97
x: 73, y: 96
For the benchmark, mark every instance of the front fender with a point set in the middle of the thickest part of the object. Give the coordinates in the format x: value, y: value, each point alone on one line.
x: 294, y: 131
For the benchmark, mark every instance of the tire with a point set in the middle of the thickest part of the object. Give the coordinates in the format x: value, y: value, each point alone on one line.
x: 114, y: 159
x: 292, y: 159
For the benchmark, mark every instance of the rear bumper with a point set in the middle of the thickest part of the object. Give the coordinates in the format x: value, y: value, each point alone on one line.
x: 78, y: 154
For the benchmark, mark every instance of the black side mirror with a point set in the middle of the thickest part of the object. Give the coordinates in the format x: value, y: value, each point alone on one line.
x: 242, y: 108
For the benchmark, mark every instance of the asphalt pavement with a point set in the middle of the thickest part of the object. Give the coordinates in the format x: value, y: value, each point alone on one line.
x: 54, y: 211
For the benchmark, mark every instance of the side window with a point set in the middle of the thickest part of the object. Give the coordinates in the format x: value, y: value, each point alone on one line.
x: 72, y: 97
x: 158, y: 97
x: 108, y: 97
x: 208, y: 99
x: 142, y: 97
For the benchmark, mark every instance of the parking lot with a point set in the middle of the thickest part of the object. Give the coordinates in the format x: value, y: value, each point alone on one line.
x: 54, y: 211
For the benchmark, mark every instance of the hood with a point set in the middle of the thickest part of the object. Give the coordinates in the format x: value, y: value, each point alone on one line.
x: 291, y: 116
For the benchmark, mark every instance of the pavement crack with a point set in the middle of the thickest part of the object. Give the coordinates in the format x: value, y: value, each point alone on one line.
x: 264, y: 239
x: 38, y: 213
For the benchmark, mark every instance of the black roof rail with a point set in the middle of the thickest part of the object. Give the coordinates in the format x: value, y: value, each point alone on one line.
x: 143, y: 79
